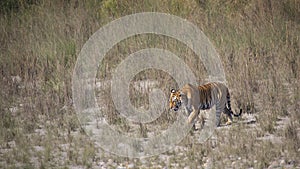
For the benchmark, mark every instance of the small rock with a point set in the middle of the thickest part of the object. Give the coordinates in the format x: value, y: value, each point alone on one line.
x: 208, y: 164
x: 38, y: 148
x: 101, y: 163
x: 11, y: 144
x: 143, y: 160
x: 13, y: 109
x: 274, y: 164
x: 174, y: 164
x: 114, y: 165
x: 282, y: 162
x: 121, y: 167
x: 110, y: 161
x: 180, y: 154
x: 157, y: 166
x: 16, y: 79
x: 131, y: 165
x: 153, y: 163
x: 187, y: 167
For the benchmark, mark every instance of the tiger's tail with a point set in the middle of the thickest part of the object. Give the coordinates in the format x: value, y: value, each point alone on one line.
x: 229, y: 106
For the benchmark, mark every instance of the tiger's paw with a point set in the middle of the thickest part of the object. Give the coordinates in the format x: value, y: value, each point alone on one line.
x: 228, y: 122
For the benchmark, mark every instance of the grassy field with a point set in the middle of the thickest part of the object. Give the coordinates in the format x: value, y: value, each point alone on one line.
x: 259, y: 45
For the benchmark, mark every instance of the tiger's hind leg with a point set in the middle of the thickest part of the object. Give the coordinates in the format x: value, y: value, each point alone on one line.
x: 227, y: 110
x: 229, y: 116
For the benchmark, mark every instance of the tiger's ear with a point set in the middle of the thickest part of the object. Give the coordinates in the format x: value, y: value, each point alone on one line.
x: 173, y: 91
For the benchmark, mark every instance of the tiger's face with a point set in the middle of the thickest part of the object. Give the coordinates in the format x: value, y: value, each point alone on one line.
x: 175, y: 100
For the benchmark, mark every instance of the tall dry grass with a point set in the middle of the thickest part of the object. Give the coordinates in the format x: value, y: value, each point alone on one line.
x: 258, y: 42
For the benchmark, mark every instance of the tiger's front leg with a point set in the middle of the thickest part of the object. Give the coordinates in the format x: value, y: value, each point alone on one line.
x: 187, y: 104
x: 193, y: 115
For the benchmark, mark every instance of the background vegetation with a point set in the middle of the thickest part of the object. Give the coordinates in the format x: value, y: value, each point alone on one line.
x: 258, y: 42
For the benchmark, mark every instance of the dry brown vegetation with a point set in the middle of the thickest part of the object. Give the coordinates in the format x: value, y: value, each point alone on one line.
x: 258, y: 42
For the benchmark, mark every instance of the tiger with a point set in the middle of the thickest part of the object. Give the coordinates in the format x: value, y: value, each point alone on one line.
x: 203, y: 97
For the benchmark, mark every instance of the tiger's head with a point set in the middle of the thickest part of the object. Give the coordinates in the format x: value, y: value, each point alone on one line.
x: 175, y: 99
